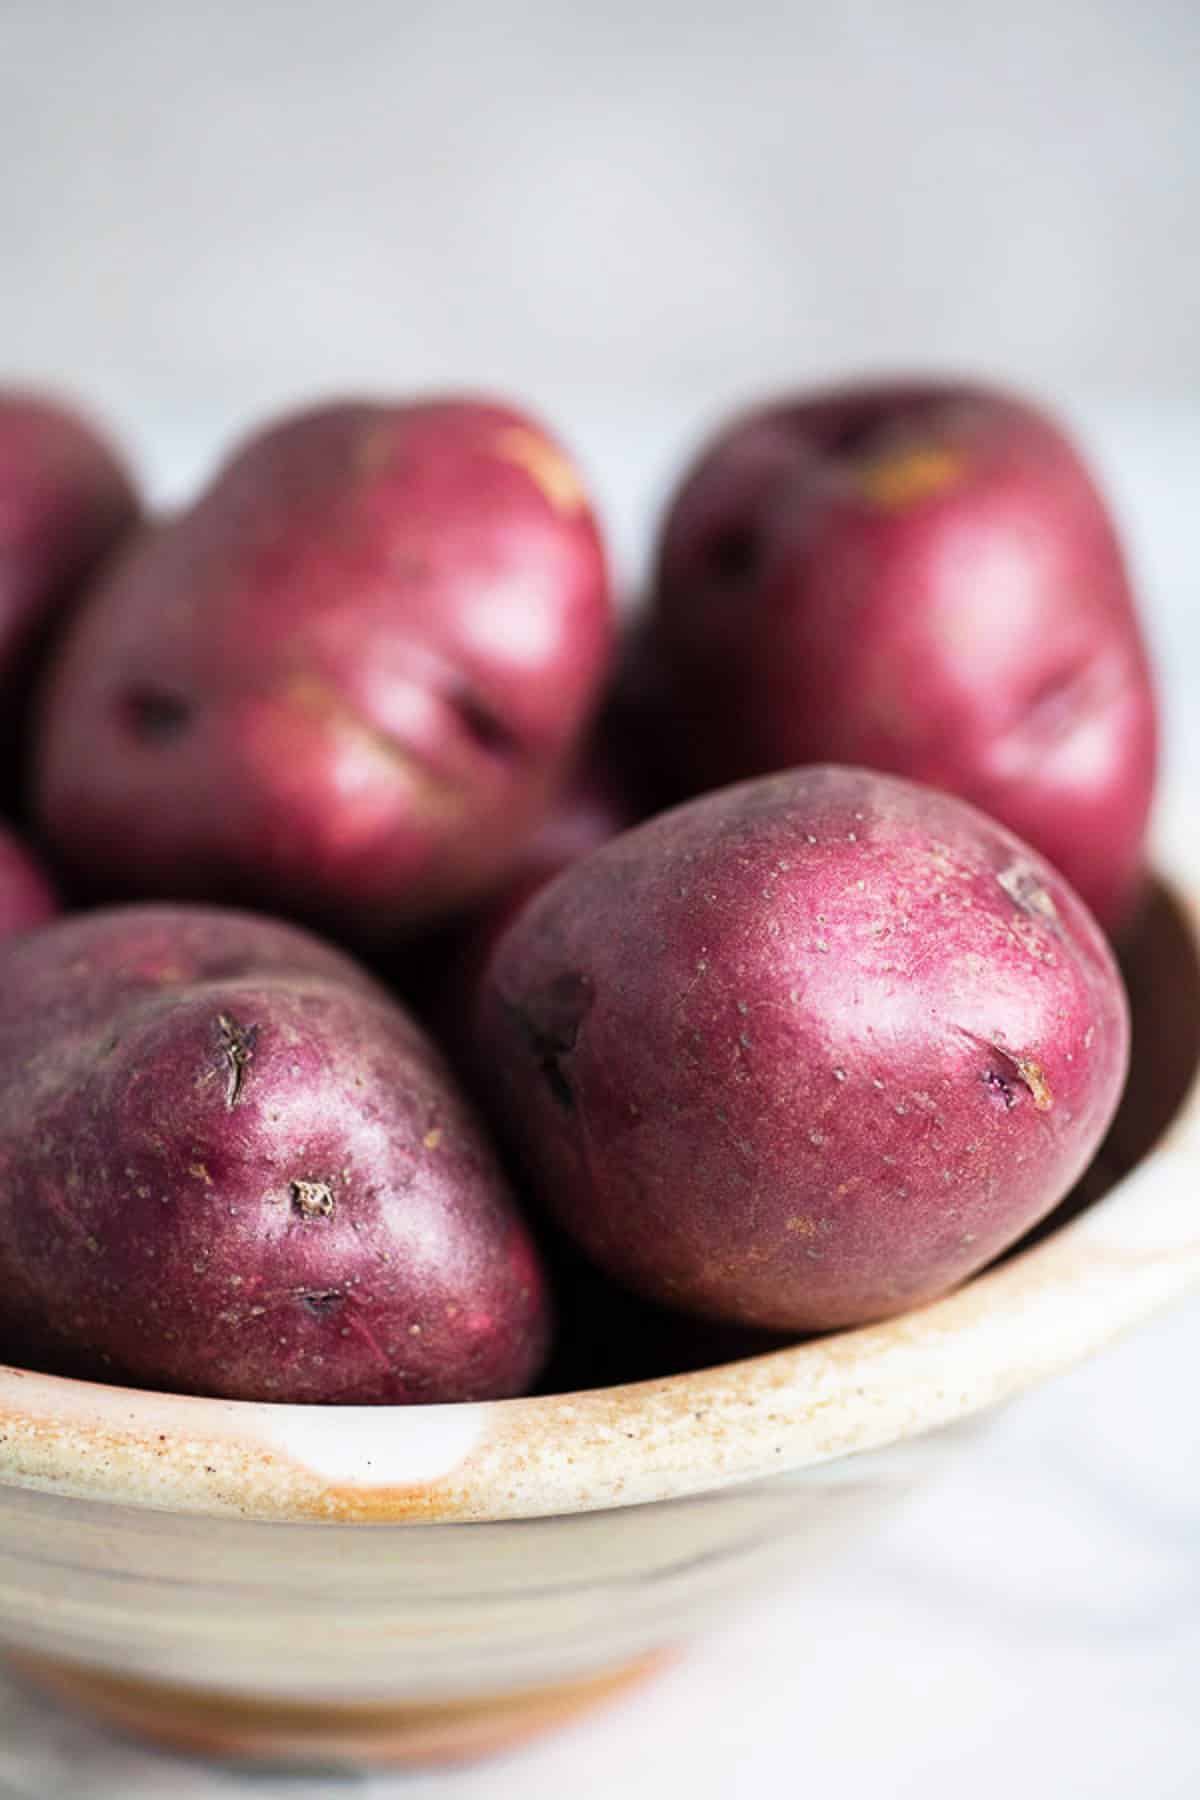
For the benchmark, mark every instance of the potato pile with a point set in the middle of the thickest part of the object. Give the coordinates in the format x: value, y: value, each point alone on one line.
x: 446, y: 969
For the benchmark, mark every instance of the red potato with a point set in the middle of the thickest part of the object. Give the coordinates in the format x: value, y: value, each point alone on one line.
x: 920, y: 578
x: 607, y: 793
x: 26, y: 897
x: 592, y: 809
x: 639, y: 720
x: 65, y: 500
x: 805, y: 1052
x: 231, y: 1166
x: 347, y: 683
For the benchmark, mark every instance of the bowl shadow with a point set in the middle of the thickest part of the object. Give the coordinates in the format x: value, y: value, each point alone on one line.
x: 1161, y: 966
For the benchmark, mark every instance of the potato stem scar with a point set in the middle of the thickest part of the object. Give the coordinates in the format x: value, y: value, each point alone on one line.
x: 312, y: 1199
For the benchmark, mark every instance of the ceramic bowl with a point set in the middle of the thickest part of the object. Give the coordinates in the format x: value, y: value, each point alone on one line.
x: 370, y: 1584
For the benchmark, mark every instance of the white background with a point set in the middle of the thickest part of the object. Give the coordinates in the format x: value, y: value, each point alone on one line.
x: 208, y: 209
x: 633, y: 217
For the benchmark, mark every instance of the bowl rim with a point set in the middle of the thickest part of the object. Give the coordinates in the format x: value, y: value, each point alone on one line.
x: 785, y: 1413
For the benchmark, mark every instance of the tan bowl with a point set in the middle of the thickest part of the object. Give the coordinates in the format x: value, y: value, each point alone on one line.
x: 325, y: 1583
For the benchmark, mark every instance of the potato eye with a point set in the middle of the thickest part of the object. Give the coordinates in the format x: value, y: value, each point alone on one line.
x: 155, y: 715
x: 733, y: 554
x: 488, y: 731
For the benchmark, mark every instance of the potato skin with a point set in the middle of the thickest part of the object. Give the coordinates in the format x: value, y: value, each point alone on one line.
x: 66, y: 498
x: 593, y: 808
x: 231, y: 1166
x: 608, y: 791
x: 26, y: 897
x: 804, y: 1052
x: 347, y: 683
x: 920, y: 578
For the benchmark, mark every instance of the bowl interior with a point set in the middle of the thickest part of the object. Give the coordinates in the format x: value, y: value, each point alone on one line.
x: 1162, y: 972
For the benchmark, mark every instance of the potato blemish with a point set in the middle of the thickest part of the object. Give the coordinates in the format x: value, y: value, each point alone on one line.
x: 237, y: 1053
x: 545, y: 465
x: 312, y: 1199
x: 903, y: 478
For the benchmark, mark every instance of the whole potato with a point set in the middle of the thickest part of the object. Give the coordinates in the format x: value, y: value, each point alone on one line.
x: 65, y: 499
x: 804, y: 1052
x: 347, y: 683
x: 26, y: 898
x: 231, y: 1166
x: 920, y: 578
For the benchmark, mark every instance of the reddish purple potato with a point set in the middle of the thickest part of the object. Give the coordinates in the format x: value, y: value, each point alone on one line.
x: 805, y: 1052
x: 920, y: 578
x: 26, y: 897
x: 593, y: 808
x: 439, y: 974
x: 634, y: 723
x: 347, y: 683
x: 230, y: 1165
x: 66, y: 498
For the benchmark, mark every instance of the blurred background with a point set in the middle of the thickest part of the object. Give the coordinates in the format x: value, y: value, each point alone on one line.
x: 632, y: 218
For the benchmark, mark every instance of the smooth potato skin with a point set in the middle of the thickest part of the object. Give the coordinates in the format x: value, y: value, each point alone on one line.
x: 26, y: 897
x: 919, y: 578
x: 347, y: 683
x: 230, y: 1166
x: 804, y: 1052
x: 66, y: 499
